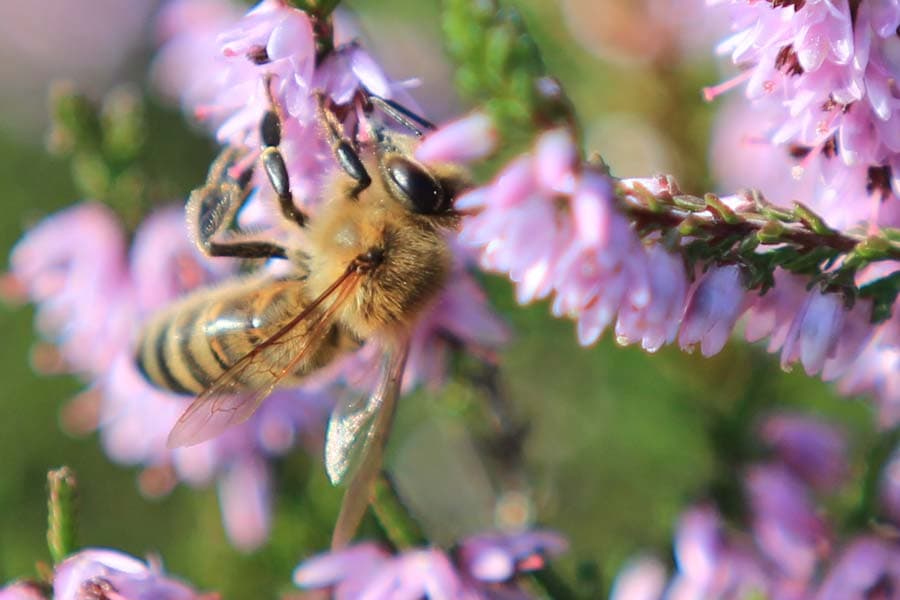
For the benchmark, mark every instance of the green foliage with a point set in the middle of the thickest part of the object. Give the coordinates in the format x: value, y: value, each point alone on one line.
x: 104, y: 142
x: 499, y: 65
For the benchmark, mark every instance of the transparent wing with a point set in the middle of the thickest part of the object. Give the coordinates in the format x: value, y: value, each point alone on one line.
x: 227, y: 402
x: 355, y: 442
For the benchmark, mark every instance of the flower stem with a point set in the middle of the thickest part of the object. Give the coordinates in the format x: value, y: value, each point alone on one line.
x: 397, y: 523
x: 877, y: 458
x: 61, y: 521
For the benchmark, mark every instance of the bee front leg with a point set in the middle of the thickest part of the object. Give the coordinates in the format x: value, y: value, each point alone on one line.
x: 211, y: 210
x: 344, y: 152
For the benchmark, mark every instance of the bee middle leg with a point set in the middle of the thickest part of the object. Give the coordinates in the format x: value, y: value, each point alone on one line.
x: 211, y: 209
x: 344, y: 151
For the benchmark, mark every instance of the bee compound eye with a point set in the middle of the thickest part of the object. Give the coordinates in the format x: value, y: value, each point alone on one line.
x: 424, y: 193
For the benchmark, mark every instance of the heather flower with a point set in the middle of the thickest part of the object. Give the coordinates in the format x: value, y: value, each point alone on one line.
x: 656, y: 323
x: 556, y: 228
x: 889, y: 490
x: 709, y: 565
x: 813, y: 450
x: 868, y: 568
x: 552, y: 228
x: 117, y: 576
x: 642, y: 578
x: 785, y: 523
x: 21, y: 591
x: 819, y: 75
x: 465, y: 140
x: 482, y: 567
x: 713, y: 307
x: 841, y: 344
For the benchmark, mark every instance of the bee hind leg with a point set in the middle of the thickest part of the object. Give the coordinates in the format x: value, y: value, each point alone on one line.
x: 344, y: 152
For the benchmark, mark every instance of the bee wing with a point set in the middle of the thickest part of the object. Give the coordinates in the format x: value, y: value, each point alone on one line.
x: 355, y: 442
x: 226, y: 402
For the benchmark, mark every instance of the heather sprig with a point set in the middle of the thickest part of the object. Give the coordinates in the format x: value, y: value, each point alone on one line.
x: 760, y: 236
x: 104, y: 142
x: 499, y: 65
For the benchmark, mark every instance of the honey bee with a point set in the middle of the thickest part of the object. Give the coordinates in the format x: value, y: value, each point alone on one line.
x: 373, y: 257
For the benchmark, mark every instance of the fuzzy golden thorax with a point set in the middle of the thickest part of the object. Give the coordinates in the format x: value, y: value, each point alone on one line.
x: 414, y: 259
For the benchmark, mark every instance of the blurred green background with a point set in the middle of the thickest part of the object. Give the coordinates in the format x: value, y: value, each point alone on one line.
x: 619, y: 441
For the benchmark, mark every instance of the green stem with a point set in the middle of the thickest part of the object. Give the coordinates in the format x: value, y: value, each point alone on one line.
x: 61, y: 520
x: 397, y: 523
x: 553, y: 585
x: 877, y: 458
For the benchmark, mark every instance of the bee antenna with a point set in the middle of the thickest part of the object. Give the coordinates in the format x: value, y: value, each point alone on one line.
x: 401, y: 114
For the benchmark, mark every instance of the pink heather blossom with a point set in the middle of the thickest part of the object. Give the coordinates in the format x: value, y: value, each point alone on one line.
x: 868, y: 568
x: 813, y: 450
x: 482, y: 567
x: 21, y: 591
x: 889, y: 488
x: 642, y: 578
x: 828, y: 70
x: 556, y: 229
x: 582, y: 251
x: 119, y: 576
x: 857, y: 354
x: 467, y: 139
x: 785, y: 523
x: 709, y: 565
x: 713, y: 307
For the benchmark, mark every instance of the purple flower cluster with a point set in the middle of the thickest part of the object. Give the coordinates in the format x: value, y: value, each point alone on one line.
x: 827, y: 67
x: 790, y: 550
x: 482, y: 567
x: 556, y: 228
x: 109, y: 574
x: 819, y: 127
x: 553, y: 228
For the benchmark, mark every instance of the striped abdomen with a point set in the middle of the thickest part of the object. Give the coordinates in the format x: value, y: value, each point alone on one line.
x: 192, y: 343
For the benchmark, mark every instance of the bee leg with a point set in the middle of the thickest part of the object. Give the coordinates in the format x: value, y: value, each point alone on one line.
x: 400, y: 114
x: 273, y: 160
x: 343, y: 149
x: 211, y: 209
